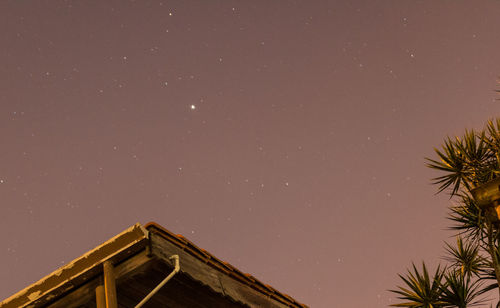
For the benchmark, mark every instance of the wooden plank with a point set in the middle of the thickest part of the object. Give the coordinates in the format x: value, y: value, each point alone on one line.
x: 190, y: 265
x: 80, y: 297
x: 132, y: 266
x: 85, y: 293
x: 235, y: 289
x: 79, y: 270
x: 180, y: 292
x: 208, y: 275
x: 109, y: 285
x: 100, y: 298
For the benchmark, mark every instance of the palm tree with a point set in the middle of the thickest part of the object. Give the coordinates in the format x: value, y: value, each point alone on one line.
x: 468, y: 162
x: 459, y: 285
x: 465, y: 163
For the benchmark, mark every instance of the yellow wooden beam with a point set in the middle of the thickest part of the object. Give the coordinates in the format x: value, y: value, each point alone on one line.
x: 109, y: 285
x: 100, y: 298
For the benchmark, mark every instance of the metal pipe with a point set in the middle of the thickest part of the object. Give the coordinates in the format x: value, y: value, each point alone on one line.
x: 158, y: 287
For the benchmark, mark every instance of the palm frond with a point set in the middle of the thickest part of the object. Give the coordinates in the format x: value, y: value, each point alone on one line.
x: 467, y: 161
x: 421, y: 290
x: 467, y: 217
x: 461, y: 291
x: 465, y: 258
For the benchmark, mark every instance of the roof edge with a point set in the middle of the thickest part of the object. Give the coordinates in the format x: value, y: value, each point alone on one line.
x: 224, y: 267
x: 77, y: 268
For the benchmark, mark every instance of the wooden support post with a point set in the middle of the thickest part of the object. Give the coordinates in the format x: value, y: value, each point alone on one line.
x: 109, y: 285
x: 100, y: 298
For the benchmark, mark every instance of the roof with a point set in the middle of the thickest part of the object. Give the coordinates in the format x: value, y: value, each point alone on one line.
x: 140, y: 255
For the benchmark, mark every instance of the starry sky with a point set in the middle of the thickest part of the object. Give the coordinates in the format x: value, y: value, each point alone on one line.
x: 285, y: 137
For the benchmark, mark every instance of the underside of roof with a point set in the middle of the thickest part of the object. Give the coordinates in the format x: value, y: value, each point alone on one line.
x: 141, y: 260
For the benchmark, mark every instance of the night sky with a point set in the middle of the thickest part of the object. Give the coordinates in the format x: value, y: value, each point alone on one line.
x: 285, y: 137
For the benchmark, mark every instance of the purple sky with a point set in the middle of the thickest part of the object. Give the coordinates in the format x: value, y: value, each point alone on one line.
x: 285, y: 137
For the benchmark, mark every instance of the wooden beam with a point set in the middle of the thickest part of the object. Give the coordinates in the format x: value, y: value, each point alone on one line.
x: 80, y: 270
x: 85, y: 294
x: 110, y: 285
x: 100, y: 298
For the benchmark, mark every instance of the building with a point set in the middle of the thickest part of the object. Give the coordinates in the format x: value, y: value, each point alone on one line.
x: 148, y: 266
